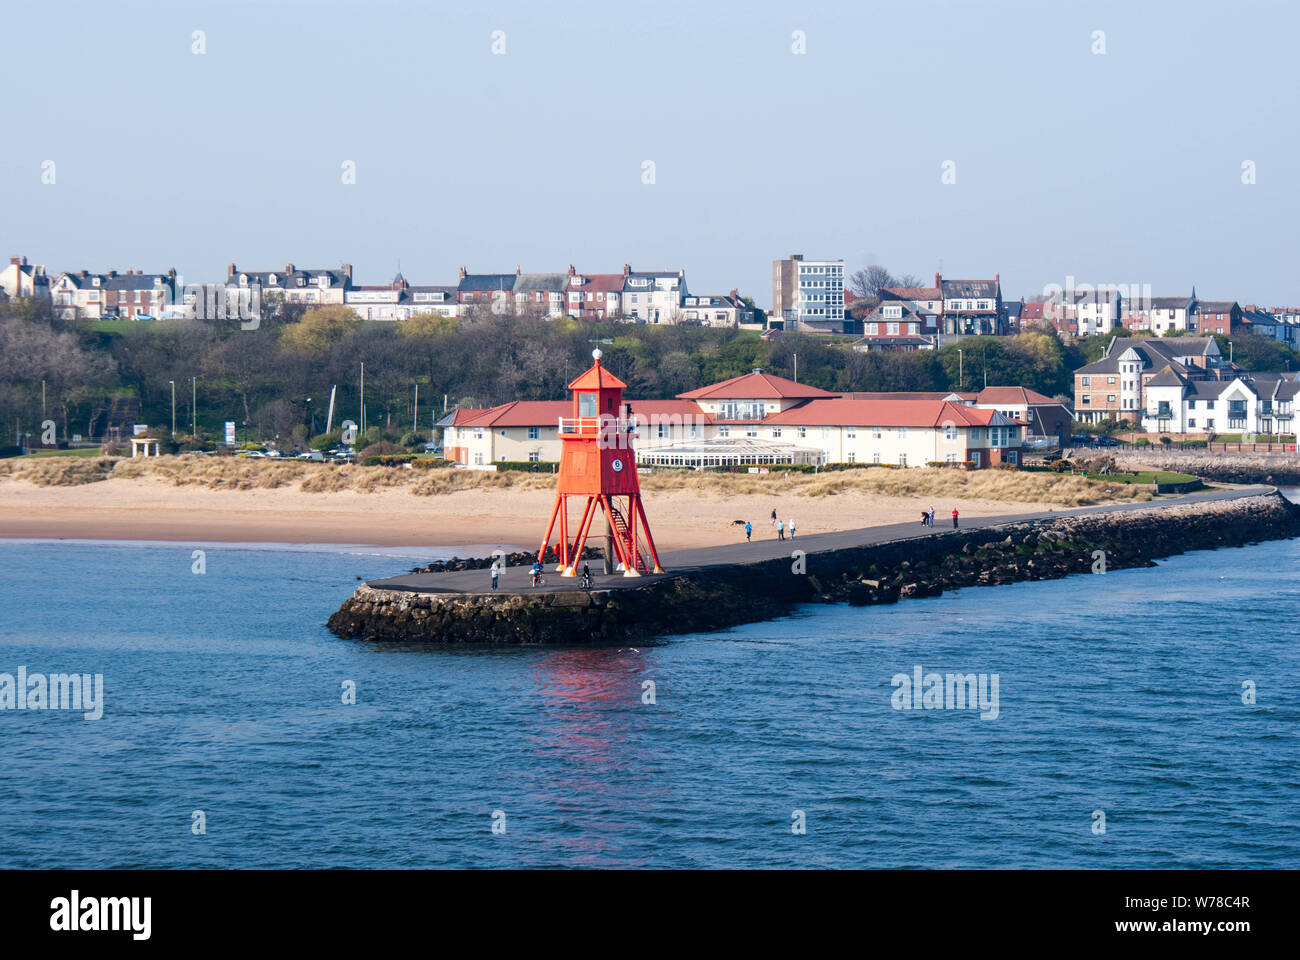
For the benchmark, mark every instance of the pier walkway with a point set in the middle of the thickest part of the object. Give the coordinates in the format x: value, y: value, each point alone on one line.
x: 765, y: 546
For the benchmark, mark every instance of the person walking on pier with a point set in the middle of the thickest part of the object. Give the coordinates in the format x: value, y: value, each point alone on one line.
x: 780, y: 530
x: 496, y: 571
x: 954, y: 518
x: 931, y: 516
x: 774, y: 517
x: 925, y: 519
x: 586, y: 576
x: 791, y: 529
x: 749, y: 531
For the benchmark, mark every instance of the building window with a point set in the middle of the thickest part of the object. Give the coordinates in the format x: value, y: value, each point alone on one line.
x: 534, y: 433
x: 803, y: 432
x: 853, y: 458
x: 776, y: 433
x: 875, y: 457
x: 851, y: 433
x: 724, y: 431
x: 534, y: 457
x: 1085, y: 381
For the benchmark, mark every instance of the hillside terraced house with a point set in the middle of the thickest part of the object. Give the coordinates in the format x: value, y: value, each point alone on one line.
x: 494, y: 290
x: 594, y: 296
x: 311, y: 287
x: 400, y: 300
x: 972, y: 307
x: 540, y: 294
x: 653, y: 296
x: 23, y: 279
x: 717, y: 311
x: 132, y: 295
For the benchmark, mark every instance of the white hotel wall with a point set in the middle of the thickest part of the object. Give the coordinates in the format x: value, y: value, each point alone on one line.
x: 839, y: 444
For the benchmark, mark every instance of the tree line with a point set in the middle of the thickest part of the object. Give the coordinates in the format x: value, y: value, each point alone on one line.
x: 276, y: 379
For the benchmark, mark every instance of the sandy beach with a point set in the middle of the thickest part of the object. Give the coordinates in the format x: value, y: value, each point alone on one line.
x: 150, y: 509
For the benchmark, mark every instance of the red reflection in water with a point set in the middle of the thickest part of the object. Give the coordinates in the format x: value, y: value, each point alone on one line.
x: 597, y: 765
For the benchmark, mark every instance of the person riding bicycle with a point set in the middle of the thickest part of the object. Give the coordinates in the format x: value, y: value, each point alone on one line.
x: 536, y: 573
x: 586, y: 577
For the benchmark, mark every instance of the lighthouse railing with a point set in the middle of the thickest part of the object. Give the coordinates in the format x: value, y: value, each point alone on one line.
x: 590, y: 426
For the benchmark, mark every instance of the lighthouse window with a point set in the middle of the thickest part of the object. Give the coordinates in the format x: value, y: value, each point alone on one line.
x: 587, y: 405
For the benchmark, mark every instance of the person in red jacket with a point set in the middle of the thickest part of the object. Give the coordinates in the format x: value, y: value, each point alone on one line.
x: 954, y: 518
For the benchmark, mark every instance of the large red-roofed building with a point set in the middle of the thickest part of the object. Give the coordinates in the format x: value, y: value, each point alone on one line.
x: 761, y: 418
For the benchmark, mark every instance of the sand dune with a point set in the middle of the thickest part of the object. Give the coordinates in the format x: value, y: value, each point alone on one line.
x: 193, y: 499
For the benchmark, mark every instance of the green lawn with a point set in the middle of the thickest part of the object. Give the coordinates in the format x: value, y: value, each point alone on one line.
x: 1122, y: 476
x: 77, y: 452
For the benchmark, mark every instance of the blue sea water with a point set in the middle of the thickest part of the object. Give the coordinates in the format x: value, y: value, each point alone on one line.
x: 1119, y: 693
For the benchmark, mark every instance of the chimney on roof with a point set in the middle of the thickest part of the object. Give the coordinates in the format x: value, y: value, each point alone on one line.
x: 938, y: 281
x: 627, y: 268
x: 347, y: 270
x: 997, y: 279
x: 288, y: 268
x: 735, y: 294
x: 24, y: 261
x: 571, y: 270
x: 517, y: 270
x: 171, y: 273
x: 112, y: 273
x: 14, y: 260
x: 462, y: 273
x: 230, y: 270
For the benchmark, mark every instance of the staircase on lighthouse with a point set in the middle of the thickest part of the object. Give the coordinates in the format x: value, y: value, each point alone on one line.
x: 598, y: 467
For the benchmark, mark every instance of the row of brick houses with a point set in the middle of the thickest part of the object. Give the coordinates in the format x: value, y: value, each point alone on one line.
x: 808, y: 296
x: 918, y: 318
x: 1183, y: 385
x: 759, y: 418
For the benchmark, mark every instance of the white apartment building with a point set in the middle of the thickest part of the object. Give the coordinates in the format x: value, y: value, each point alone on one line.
x: 809, y: 294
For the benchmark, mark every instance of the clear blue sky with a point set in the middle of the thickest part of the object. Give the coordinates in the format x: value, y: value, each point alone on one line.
x: 1115, y: 168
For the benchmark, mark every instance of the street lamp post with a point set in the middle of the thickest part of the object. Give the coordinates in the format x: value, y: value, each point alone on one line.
x: 173, y: 383
x: 194, y: 404
x: 961, y: 377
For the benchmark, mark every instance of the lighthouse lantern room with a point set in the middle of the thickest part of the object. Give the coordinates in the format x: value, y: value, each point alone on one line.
x: 598, y: 467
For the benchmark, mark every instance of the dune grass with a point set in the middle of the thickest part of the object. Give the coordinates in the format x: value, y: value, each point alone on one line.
x: 230, y: 473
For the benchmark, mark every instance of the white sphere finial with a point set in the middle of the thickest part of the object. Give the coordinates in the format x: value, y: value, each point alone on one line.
x: 596, y: 354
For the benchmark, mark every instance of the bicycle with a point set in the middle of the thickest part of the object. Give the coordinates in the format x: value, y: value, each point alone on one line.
x: 539, y: 580
x: 586, y: 581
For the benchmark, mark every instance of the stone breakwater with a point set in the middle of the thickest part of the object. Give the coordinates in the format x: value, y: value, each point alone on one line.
x: 516, y: 559
x: 725, y: 595
x: 1245, y: 467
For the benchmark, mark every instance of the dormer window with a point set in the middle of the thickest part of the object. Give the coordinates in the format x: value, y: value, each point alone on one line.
x: 270, y: 280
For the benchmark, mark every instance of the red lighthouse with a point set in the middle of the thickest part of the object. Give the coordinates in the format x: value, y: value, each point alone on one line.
x: 598, y: 464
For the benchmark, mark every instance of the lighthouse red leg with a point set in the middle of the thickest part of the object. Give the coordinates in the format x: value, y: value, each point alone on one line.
x: 587, y: 516
x: 649, y: 540
x: 562, y: 548
x: 546, y: 540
